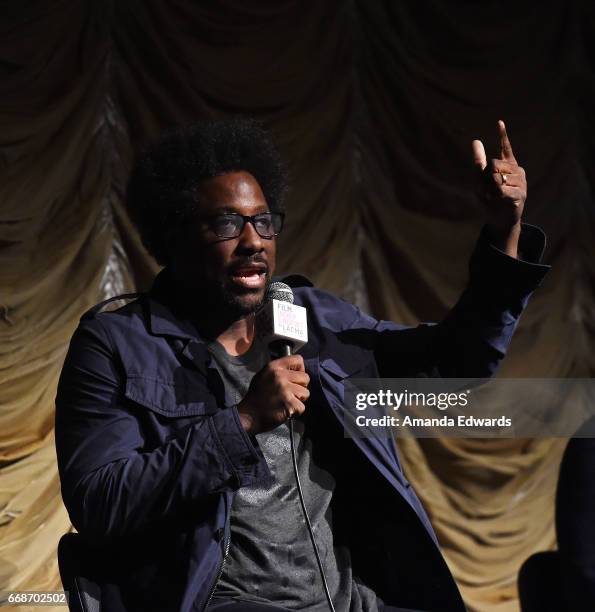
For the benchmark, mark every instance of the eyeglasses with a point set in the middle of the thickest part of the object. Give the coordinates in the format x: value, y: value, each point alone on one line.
x: 231, y: 225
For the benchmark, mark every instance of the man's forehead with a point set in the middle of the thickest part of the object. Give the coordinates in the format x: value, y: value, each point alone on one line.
x: 231, y: 190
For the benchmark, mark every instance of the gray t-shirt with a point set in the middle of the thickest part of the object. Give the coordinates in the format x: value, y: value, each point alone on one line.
x: 271, y: 559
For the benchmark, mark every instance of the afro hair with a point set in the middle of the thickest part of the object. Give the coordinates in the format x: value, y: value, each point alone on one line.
x: 162, y: 189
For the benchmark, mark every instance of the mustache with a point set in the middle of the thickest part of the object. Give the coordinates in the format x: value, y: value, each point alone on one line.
x: 247, y: 261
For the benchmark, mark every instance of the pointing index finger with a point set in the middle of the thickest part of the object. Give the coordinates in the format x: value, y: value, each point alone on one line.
x: 505, y: 146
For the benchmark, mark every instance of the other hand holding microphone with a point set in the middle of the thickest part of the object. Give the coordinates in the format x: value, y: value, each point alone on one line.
x: 276, y: 393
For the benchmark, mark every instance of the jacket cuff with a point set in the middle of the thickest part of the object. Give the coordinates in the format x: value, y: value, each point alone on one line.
x: 243, y: 456
x: 497, y: 273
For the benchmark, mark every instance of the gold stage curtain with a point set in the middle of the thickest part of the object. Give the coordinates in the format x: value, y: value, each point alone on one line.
x: 374, y: 106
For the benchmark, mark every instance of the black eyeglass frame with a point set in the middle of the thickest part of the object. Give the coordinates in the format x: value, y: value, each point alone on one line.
x: 245, y: 219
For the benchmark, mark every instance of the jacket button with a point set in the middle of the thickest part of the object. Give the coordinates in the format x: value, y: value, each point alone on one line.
x: 219, y: 534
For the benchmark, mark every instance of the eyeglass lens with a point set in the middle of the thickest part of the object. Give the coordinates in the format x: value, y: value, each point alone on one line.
x: 231, y: 225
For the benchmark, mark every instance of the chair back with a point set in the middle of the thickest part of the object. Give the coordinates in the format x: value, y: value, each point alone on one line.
x: 76, y: 563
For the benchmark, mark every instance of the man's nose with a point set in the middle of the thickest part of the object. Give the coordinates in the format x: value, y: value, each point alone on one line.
x: 249, y: 239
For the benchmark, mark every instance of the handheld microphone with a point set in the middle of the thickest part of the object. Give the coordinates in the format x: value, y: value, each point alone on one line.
x: 280, y: 323
x: 283, y: 325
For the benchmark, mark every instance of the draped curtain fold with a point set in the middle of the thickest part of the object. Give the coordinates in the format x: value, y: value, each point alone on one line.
x: 374, y: 106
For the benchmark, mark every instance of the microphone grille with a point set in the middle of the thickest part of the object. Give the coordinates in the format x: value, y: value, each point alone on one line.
x: 279, y: 291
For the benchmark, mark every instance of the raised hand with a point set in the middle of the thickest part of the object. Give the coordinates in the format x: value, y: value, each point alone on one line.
x: 504, y: 191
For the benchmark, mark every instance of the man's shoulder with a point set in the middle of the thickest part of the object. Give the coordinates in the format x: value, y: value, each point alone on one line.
x: 116, y: 309
x: 127, y: 334
x: 305, y: 291
x: 329, y: 309
x: 115, y: 319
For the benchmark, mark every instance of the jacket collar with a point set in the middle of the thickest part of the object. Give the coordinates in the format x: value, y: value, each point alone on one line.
x: 165, y: 311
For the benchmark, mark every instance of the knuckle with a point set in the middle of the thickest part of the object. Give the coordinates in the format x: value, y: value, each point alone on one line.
x: 270, y: 369
x: 281, y: 387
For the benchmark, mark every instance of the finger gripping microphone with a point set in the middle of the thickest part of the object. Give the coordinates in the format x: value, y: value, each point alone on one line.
x: 281, y: 323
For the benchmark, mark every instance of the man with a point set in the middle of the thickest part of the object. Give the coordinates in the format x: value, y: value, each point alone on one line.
x: 171, y: 425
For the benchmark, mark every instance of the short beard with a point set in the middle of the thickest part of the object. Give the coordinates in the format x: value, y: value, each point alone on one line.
x: 231, y: 305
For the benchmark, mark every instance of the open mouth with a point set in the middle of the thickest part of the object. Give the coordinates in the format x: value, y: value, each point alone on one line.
x: 251, y: 276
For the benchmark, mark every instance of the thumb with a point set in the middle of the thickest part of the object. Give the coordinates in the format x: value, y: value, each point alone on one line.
x: 479, y: 154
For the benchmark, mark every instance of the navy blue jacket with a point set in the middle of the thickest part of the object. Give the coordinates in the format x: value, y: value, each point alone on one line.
x: 150, y: 451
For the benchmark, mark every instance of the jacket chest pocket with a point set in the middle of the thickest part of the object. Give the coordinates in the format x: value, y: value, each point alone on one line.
x: 171, y: 398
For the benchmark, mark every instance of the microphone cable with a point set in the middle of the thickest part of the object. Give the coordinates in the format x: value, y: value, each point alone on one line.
x: 284, y: 348
x: 306, y: 517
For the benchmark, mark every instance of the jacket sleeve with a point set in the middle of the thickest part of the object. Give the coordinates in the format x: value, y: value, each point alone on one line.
x: 473, y: 338
x: 112, y: 485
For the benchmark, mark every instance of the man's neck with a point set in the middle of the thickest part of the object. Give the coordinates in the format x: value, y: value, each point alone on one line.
x: 238, y: 337
x: 235, y: 336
